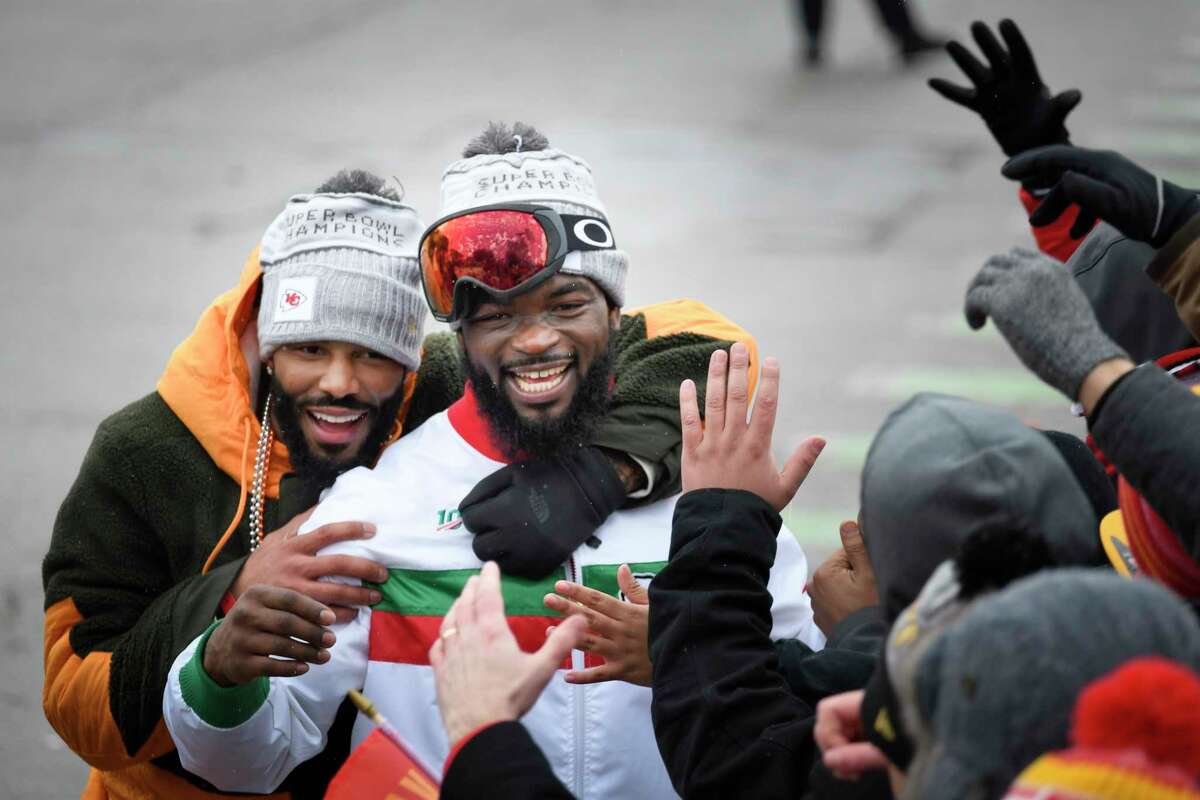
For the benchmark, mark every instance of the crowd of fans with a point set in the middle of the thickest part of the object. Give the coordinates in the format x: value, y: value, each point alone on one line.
x: 1012, y: 614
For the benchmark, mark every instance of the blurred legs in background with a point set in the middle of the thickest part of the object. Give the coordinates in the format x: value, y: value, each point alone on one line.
x: 911, y: 42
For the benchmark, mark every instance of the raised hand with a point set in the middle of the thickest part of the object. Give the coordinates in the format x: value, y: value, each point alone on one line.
x: 617, y: 631
x: 1108, y: 186
x: 482, y: 676
x: 290, y: 561
x: 726, y: 451
x: 1008, y: 92
x: 269, y: 632
x: 1042, y: 312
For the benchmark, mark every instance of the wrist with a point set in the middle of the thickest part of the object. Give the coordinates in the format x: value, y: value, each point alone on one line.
x: 630, y: 475
x: 1099, y: 380
x: 1181, y: 206
x: 222, y: 706
x: 210, y: 662
x: 459, y: 728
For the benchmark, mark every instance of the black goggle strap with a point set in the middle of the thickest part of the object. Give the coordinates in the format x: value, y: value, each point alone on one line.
x: 587, y: 233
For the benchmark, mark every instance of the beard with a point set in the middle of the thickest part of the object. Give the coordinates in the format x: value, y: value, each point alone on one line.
x: 312, y: 467
x: 544, y: 438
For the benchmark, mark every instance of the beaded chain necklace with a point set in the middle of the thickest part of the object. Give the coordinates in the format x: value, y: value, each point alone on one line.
x: 262, y: 460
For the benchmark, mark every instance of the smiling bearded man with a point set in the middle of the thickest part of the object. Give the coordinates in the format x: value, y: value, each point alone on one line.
x: 534, y: 289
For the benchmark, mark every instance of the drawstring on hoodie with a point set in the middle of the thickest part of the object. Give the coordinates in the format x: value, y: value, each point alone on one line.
x: 241, y: 508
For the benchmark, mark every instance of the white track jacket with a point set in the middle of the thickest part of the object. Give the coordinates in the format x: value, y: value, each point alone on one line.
x: 598, y: 738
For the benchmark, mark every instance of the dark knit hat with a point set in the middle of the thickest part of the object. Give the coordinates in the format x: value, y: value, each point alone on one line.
x: 996, y: 688
x: 1135, y: 736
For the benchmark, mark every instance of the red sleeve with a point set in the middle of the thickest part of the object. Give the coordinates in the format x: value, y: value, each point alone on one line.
x: 1053, y: 239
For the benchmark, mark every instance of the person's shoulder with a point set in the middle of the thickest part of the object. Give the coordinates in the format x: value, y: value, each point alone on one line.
x: 145, y: 423
x: 417, y: 444
x: 684, y: 315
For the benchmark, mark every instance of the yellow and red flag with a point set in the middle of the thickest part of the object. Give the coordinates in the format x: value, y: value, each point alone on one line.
x: 381, y: 769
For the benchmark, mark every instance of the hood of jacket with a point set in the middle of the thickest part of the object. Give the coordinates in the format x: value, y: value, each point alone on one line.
x: 209, y: 383
x: 943, y: 468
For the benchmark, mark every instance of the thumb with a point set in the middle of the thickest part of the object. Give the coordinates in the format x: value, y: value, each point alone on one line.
x: 1064, y: 103
x: 557, y: 646
x: 630, y: 587
x: 799, y: 465
x: 853, y: 545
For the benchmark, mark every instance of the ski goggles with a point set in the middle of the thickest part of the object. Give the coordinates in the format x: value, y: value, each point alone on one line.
x: 503, y: 249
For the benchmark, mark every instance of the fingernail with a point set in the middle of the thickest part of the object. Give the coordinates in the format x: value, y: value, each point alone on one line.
x: 328, y: 638
x: 327, y: 617
x: 381, y: 576
x: 368, y: 530
x: 375, y: 597
x: 300, y: 668
x: 561, y: 586
x: 820, y: 445
x: 322, y: 656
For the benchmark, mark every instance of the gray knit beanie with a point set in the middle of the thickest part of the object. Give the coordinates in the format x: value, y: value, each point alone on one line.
x: 343, y: 267
x: 517, y: 165
x: 996, y: 688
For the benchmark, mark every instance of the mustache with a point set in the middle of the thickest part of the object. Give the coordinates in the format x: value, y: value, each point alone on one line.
x: 533, y: 361
x: 329, y: 401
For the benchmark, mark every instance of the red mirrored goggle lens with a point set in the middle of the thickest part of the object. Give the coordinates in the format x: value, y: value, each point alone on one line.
x: 500, y: 249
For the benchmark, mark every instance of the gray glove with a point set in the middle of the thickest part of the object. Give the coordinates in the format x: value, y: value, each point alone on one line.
x: 1044, y: 315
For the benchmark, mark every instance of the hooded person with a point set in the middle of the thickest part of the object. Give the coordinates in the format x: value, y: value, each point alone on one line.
x: 174, y: 493
x: 995, y: 688
x: 321, y: 339
x: 943, y: 469
x: 546, y: 358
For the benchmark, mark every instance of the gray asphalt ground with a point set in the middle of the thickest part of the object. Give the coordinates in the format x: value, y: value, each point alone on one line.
x: 838, y: 215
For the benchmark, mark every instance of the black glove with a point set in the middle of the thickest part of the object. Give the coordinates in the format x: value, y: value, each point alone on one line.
x: 1010, y: 96
x: 1106, y: 185
x: 530, y: 516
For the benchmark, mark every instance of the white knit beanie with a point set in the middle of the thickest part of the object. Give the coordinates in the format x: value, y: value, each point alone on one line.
x: 546, y: 177
x: 343, y: 267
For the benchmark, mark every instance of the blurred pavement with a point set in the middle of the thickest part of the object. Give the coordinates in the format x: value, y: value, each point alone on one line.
x: 838, y: 214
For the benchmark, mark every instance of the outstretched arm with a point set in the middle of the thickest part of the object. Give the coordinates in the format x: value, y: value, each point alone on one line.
x: 724, y: 718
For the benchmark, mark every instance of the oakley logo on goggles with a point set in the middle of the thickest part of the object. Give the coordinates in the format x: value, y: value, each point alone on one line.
x: 503, y: 249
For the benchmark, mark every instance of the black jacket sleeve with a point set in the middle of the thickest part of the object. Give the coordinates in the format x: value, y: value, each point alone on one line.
x: 501, y: 762
x: 846, y: 663
x: 1148, y: 426
x: 726, y: 722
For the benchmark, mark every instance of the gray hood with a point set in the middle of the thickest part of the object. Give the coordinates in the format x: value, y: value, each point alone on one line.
x: 943, y: 468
